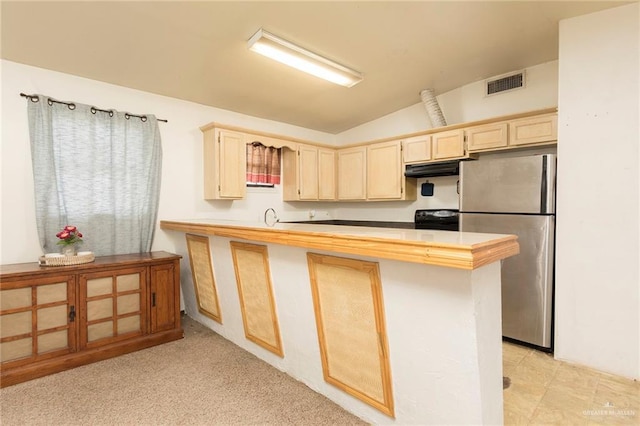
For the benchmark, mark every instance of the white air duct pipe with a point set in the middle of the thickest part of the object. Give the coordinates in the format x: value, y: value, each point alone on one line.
x: 433, y: 109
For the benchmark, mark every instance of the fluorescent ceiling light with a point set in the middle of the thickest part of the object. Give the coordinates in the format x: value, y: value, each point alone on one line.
x: 288, y: 53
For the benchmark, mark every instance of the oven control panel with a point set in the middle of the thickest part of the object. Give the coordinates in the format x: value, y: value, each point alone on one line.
x: 440, y: 219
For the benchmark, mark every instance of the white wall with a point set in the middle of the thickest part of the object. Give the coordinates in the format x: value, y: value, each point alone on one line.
x: 469, y: 103
x: 598, y: 249
x: 182, y: 186
x: 466, y: 103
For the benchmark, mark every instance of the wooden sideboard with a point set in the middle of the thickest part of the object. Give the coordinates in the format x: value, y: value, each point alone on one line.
x: 56, y: 318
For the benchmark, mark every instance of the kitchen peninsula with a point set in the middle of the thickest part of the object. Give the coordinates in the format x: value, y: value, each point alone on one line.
x: 395, y: 325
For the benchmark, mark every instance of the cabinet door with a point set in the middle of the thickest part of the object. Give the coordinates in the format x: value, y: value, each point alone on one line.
x: 113, y: 306
x: 535, y: 130
x: 352, y: 173
x: 255, y: 290
x: 308, y: 172
x: 326, y: 174
x: 232, y: 165
x: 349, y: 312
x: 290, y: 175
x: 480, y: 138
x: 417, y: 149
x: 165, y: 298
x: 225, y: 164
x: 204, y: 282
x: 384, y: 171
x: 449, y: 144
x: 37, y: 319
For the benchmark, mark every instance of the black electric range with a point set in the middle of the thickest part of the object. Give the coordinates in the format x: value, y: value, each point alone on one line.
x: 438, y: 219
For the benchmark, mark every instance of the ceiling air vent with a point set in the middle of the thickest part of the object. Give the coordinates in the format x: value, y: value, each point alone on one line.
x: 505, y: 83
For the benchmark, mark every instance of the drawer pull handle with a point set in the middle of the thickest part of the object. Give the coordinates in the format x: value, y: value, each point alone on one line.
x: 153, y: 299
x: 72, y: 314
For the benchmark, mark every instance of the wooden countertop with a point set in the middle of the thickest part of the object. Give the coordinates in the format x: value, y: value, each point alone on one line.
x: 18, y: 270
x: 463, y: 250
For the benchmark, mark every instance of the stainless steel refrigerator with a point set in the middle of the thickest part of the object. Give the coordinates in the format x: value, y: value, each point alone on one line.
x: 517, y: 196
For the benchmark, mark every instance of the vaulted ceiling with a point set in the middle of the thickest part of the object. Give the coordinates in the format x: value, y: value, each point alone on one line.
x: 197, y: 51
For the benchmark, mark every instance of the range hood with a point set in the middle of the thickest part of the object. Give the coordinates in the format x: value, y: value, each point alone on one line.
x: 447, y: 168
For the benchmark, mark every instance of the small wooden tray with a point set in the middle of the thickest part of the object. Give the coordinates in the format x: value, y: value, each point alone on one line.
x: 85, y: 257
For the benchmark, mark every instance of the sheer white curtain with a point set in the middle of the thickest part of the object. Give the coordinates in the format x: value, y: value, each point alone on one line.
x: 99, y: 171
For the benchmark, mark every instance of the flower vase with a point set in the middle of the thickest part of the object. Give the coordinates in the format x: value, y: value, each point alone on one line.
x: 69, y: 250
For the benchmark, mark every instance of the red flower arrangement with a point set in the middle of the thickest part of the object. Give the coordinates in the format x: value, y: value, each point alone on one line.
x: 69, y: 235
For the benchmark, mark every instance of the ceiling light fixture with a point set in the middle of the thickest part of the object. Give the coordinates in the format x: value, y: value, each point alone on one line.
x: 294, y: 56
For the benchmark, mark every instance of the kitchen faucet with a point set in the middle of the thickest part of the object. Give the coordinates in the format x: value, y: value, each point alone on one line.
x: 275, y: 217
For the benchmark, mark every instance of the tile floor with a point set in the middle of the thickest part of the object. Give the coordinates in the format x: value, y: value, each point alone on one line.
x: 547, y: 391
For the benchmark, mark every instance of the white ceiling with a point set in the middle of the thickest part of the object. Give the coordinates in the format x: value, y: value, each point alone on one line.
x: 197, y: 50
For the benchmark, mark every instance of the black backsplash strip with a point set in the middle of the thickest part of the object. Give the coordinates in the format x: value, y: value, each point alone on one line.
x: 372, y: 223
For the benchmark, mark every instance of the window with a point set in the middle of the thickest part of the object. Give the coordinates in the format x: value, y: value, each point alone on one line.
x: 263, y: 165
x: 98, y: 170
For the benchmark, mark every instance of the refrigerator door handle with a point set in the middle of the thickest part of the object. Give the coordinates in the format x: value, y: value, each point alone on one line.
x: 547, y: 185
x: 543, y: 186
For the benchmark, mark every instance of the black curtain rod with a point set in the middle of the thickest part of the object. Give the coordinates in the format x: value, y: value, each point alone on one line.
x: 71, y: 105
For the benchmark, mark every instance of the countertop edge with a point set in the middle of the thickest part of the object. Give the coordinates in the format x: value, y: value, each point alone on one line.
x: 467, y: 257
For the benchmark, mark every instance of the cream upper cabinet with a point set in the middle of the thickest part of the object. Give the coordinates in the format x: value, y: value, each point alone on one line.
x: 385, y: 172
x: 417, y: 149
x: 448, y: 144
x: 534, y: 130
x: 369, y: 171
x: 309, y: 173
x: 487, y: 136
x: 352, y: 173
x: 326, y: 174
x: 300, y: 173
x: 224, y: 164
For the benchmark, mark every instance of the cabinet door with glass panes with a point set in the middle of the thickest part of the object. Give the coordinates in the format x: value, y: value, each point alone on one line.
x: 37, y: 318
x: 113, y: 306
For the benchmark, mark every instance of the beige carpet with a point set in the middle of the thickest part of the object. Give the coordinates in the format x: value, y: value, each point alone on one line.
x: 202, y: 379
